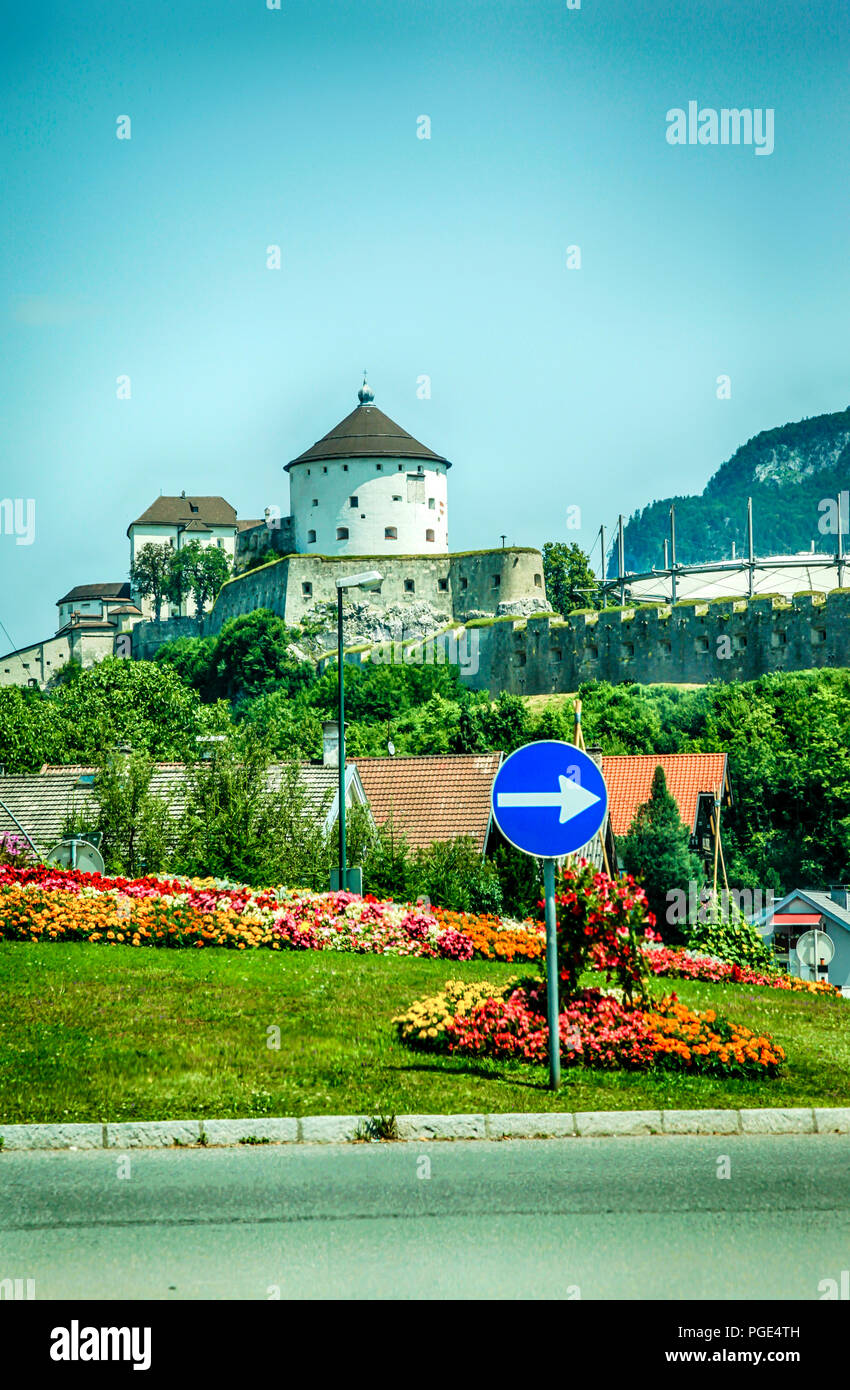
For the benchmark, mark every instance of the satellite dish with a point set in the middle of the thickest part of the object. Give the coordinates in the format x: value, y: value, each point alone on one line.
x: 76, y: 854
x: 391, y: 748
x: 814, y: 947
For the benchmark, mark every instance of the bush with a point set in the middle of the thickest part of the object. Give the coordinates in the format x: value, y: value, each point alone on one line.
x: 729, y: 936
x: 451, y: 873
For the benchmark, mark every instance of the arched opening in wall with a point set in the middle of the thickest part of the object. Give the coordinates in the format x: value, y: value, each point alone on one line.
x: 307, y: 589
x: 538, y: 581
x: 390, y: 533
x: 342, y: 533
x: 396, y: 496
x: 409, y: 586
x: 311, y: 538
x: 429, y: 534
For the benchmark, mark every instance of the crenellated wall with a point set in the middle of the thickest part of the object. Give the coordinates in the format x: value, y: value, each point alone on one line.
x: 688, y: 643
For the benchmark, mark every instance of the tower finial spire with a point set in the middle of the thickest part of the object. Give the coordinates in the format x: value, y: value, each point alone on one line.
x: 365, y: 395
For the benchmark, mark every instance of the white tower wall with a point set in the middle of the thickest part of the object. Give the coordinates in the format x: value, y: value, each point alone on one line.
x: 394, y: 495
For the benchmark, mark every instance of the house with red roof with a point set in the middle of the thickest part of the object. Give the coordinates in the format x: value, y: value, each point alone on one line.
x: 425, y: 799
x: 695, y: 780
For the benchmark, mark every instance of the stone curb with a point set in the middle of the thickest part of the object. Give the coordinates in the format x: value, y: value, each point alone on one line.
x: 342, y: 1129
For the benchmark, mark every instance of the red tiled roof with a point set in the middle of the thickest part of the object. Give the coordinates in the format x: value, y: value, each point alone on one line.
x: 629, y: 781
x: 434, y: 798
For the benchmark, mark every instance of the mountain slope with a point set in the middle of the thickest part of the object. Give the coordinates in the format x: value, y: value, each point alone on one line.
x: 787, y: 471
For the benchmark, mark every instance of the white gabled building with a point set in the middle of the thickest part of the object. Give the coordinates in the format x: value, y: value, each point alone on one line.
x: 92, y: 619
x: 176, y: 521
x: 369, y: 488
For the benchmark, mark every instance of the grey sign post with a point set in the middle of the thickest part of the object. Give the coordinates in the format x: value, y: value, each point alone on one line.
x: 549, y: 799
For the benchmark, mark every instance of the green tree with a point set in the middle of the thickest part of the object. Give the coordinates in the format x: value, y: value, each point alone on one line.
x: 199, y: 570
x: 569, y: 578
x: 253, y: 655
x: 134, y: 822
x: 247, y: 820
x: 657, y: 852
x: 150, y: 573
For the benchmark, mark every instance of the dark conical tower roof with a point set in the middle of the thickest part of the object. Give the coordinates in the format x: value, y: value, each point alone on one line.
x: 367, y: 433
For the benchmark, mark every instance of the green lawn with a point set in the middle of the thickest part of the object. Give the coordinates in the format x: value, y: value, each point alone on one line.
x: 96, y: 1033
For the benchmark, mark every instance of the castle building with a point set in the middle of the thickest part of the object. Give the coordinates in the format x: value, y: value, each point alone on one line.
x: 93, y: 618
x: 368, y: 487
x: 177, y: 521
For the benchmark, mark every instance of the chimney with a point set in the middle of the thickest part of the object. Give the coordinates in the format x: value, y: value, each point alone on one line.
x: 330, y: 743
x: 838, y: 893
x: 594, y: 751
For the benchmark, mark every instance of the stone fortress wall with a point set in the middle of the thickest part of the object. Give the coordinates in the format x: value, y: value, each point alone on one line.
x: 430, y: 592
x: 686, y: 643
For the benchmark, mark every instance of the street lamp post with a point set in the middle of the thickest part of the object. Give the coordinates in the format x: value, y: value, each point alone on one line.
x: 367, y: 579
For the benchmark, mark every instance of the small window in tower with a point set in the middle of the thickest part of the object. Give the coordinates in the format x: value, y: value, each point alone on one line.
x: 464, y: 584
x: 307, y: 589
x: 429, y: 534
x: 390, y: 533
x: 431, y: 504
x: 497, y: 579
x: 380, y: 467
x: 409, y: 586
x: 352, y: 502
x: 400, y: 467
x: 311, y: 538
x: 396, y: 496
x: 342, y: 533
x: 308, y: 472
x: 345, y: 468
x: 442, y: 585
x: 324, y: 470
x: 538, y: 581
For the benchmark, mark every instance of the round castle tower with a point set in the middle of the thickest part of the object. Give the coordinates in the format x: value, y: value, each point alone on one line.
x: 369, y: 488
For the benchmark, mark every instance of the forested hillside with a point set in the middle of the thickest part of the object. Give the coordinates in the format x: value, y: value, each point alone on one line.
x: 787, y: 472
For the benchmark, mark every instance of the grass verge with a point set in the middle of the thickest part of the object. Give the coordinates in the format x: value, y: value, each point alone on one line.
x: 96, y: 1033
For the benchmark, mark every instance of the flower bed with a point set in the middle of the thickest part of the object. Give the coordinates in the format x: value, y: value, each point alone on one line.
x: 48, y: 904
x: 496, y: 939
x: 597, y: 1029
x: 678, y: 962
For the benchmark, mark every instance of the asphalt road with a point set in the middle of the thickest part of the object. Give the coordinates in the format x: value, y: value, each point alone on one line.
x: 592, y: 1218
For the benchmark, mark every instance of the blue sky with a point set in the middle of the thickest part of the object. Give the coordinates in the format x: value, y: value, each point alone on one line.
x: 592, y: 387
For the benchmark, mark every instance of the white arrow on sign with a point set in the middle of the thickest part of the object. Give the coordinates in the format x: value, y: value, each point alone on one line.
x: 572, y: 799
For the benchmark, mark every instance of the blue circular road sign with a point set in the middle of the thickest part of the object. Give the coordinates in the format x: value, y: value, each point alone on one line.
x: 549, y: 799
